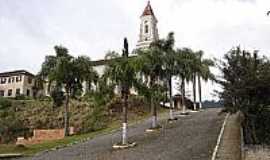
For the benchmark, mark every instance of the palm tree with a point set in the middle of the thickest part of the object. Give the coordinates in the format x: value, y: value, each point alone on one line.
x: 121, y: 72
x: 150, y: 63
x: 203, y: 72
x: 195, y: 66
x: 184, y: 64
x: 62, y: 71
x: 194, y: 91
x: 170, y: 67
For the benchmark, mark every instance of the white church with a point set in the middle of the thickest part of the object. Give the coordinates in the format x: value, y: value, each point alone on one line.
x: 148, y: 34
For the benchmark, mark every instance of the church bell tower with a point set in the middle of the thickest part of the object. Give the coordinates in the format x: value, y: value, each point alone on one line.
x: 148, y: 28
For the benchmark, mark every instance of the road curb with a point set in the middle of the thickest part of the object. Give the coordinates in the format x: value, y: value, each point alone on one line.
x: 11, y: 155
x: 214, y: 155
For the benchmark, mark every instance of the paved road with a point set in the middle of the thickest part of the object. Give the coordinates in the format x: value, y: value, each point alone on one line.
x: 190, y: 138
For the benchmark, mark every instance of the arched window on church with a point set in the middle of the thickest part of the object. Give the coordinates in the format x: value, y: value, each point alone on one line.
x: 146, y: 28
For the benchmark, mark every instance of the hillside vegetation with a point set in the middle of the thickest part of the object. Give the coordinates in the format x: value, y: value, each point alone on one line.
x: 20, y: 117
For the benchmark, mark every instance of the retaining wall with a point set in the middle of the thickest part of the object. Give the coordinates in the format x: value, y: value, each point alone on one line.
x: 41, y: 135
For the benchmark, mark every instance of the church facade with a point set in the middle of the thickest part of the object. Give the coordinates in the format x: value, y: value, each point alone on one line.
x: 148, y: 28
x: 148, y: 33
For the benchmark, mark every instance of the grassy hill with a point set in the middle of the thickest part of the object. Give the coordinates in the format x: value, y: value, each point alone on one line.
x: 85, y: 117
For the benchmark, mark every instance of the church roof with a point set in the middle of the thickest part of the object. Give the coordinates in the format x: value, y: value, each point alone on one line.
x: 148, y: 10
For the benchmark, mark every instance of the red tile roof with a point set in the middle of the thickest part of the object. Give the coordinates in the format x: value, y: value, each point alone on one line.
x: 148, y: 10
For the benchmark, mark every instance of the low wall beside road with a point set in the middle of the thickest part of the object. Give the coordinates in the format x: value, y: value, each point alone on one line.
x: 257, y: 153
x: 41, y: 135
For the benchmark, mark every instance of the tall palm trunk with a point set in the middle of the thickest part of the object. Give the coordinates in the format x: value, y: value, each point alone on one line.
x: 125, y: 92
x: 194, y: 91
x: 124, y: 129
x: 200, y: 91
x: 183, y: 96
x: 171, y: 98
x: 66, y: 123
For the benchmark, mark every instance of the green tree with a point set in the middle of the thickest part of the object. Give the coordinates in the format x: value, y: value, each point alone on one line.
x: 194, y: 69
x: 11, y: 126
x: 184, y: 64
x: 150, y: 63
x: 87, y: 73
x: 111, y: 55
x: 246, y: 88
x: 63, y: 71
x: 203, y: 72
x: 121, y: 72
x: 200, y: 70
x: 169, y: 64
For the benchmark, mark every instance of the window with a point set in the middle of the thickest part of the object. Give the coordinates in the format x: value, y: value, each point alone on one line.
x: 27, y: 92
x: 19, y: 79
x: 10, y: 92
x: 9, y: 80
x: 3, y: 80
x: 29, y: 80
x: 12, y: 79
x: 2, y: 93
x: 18, y: 91
x: 146, y: 28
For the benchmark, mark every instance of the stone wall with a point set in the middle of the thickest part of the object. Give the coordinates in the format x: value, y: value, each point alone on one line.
x: 51, y: 134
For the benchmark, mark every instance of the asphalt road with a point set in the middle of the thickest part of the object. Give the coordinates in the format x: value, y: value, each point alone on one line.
x: 189, y: 138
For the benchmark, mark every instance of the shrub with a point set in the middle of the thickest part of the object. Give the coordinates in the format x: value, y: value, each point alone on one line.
x: 95, y: 121
x: 10, y: 125
x: 4, y: 103
x: 45, y: 98
x: 57, y: 96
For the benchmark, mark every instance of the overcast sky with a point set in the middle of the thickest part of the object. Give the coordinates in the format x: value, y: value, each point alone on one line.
x: 30, y: 28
